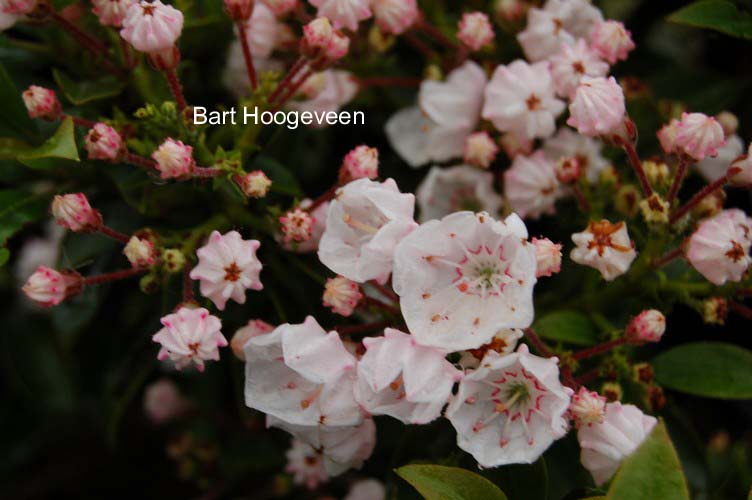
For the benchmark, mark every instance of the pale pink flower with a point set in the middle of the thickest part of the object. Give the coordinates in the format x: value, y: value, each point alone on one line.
x: 667, y: 136
x: 547, y: 256
x: 163, y: 401
x: 111, y: 12
x: 605, y: 247
x: 587, y: 408
x: 297, y: 225
x: 103, y: 143
x: 17, y: 7
x: 254, y: 328
x: 190, y: 335
x: 41, y: 103
x: 543, y: 36
x: 281, y: 7
x: 605, y: 444
x: 48, y: 287
x: 362, y: 161
x: 174, y: 159
x: 317, y: 34
x: 152, y: 27
x: 648, y: 326
x: 520, y: 99
x: 447, y: 190
x: 302, y: 375
x: 227, y: 267
x: 480, y: 149
x: 598, y: 106
x: 715, y: 167
x: 262, y: 31
x: 719, y: 248
x: 698, y: 136
x: 72, y: 211
x: 510, y: 409
x: 587, y: 150
x: 139, y: 252
x: 366, y: 221
x: 578, y: 17
x: 504, y: 342
x: 475, y: 30
x: 341, y: 295
x: 395, y: 16
x: 400, y: 378
x: 343, y: 13
x: 239, y: 10
x: 305, y: 464
x: 319, y: 215
x: 254, y: 184
x: 530, y: 185
x: 515, y: 145
x: 463, y: 278
x: 366, y: 489
x: 333, y: 89
x: 740, y: 173
x: 571, y: 63
x: 612, y: 41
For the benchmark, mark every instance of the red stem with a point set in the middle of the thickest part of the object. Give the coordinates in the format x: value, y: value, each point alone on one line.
x: 175, y: 88
x: 390, y: 81
x: 599, y: 349
x: 294, y: 88
x: 286, y: 80
x: 188, y: 295
x: 115, y: 235
x: 113, y: 276
x: 81, y: 122
x: 634, y: 160
x: 539, y: 345
x: 205, y: 172
x: 128, y: 59
x: 668, y: 257
x: 326, y: 196
x: 370, y: 301
x: 139, y: 161
x: 247, y: 54
x: 568, y: 379
x: 740, y: 309
x: 681, y: 172
x: 581, y: 200
x: 349, y: 330
x: 384, y: 291
x: 706, y: 191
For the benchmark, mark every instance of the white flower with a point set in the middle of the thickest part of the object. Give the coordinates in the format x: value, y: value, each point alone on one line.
x: 343, y: 13
x: 605, y: 247
x: 366, y: 489
x: 400, y: 378
x: 463, y: 278
x: 571, y: 63
x: 569, y: 144
x: 530, y: 185
x: 447, y: 190
x: 510, y: 409
x: 262, y: 31
x: 504, y: 342
x: 606, y: 444
x: 326, y: 91
x: 365, y: 222
x: 597, y: 107
x: 302, y: 375
x: 190, y: 335
x: 719, y: 248
x: 559, y: 22
x: 715, y: 167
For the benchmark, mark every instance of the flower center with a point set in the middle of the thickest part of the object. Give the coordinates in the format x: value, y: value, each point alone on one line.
x: 602, y: 232
x: 533, y: 102
x: 232, y: 272
x: 578, y: 67
x: 736, y: 253
x: 482, y: 272
x: 148, y: 10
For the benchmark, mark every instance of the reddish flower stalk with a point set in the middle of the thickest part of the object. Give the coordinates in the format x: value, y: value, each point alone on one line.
x: 115, y: 235
x: 81, y: 122
x: 681, y: 172
x: 568, y: 379
x: 128, y: 58
x: 669, y: 256
x: 697, y: 198
x: 205, y: 172
x: 188, y: 295
x: 247, y: 54
x: 634, y: 160
x: 175, y: 88
x: 287, y: 78
x: 581, y: 200
x: 435, y: 33
x: 386, y: 81
x: 113, y: 276
x: 326, y: 196
x: 588, y: 376
x: 539, y: 345
x: 740, y: 309
x: 371, y: 302
x: 599, y: 349
x: 139, y: 161
x: 384, y: 291
x: 293, y: 88
x: 350, y: 330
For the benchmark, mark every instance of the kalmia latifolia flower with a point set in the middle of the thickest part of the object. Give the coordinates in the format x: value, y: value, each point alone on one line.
x: 365, y: 223
x: 366, y: 489
x: 510, y: 409
x: 281, y: 7
x: 504, y: 342
x: 573, y: 62
x: 480, y: 149
x: 363, y: 161
x: 103, y: 142
x: 305, y: 464
x: 139, y: 252
x: 326, y: 91
x: 530, y: 185
x: 41, y: 103
x: 297, y: 225
x: 598, y: 106
x: 569, y: 144
x: 587, y: 408
x: 612, y: 41
x: 152, y: 27
x: 111, y: 12
x: 605, y: 247
x: 520, y: 99
x: 667, y: 136
x: 547, y: 257
x: 72, y: 211
x: 453, y: 189
x: 341, y: 295
x: 719, y: 248
x: 475, y: 30
x: 713, y: 168
x: 254, y: 184
x: 395, y: 16
x: 648, y: 326
x: 343, y: 13
x: 462, y: 278
x: 698, y: 136
x: 740, y: 173
x: 190, y: 336
x: 174, y: 159
x: 400, y: 378
x: 227, y: 267
x: 302, y: 375
x: 163, y: 401
x: 605, y: 444
x: 48, y: 287
x: 254, y: 328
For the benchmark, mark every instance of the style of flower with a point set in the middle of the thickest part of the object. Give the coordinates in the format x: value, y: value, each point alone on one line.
x: 341, y: 295
x: 571, y: 63
x: 719, y: 248
x: 73, y: 211
x: 41, y: 103
x: 190, y: 336
x: 530, y: 185
x: 598, y: 106
x: 227, y: 267
x: 174, y: 160
x: 463, y: 278
x: 475, y: 30
x: 587, y: 408
x: 605, y: 247
x: 48, y: 287
x: 111, y: 12
x: 447, y: 190
x: 102, y: 142
x: 343, y: 13
x: 612, y: 41
x: 152, y: 27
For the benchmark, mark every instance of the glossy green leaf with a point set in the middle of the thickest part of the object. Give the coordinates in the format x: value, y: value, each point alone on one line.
x: 14, y: 119
x: 438, y: 482
x: 652, y: 471
x: 80, y: 93
x: 566, y: 326
x: 718, y: 15
x: 61, y: 146
x: 10, y: 148
x: 710, y: 369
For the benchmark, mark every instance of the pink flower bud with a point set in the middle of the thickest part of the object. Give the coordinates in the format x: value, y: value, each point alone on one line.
x: 362, y: 161
x: 49, y: 287
x: 547, y: 257
x: 568, y: 170
x: 152, y: 26
x: 18, y: 7
x: 480, y: 149
x: 72, y: 211
x: 239, y: 10
x: 41, y: 103
x: 174, y: 159
x: 163, y: 401
x: 102, y: 142
x: 395, y: 16
x: 139, y: 252
x: 667, y: 136
x: 698, y: 136
x: 475, y: 30
x: 316, y: 37
x: 281, y: 7
x: 648, y: 326
x: 254, y: 328
x: 337, y: 48
x: 587, y: 408
x: 297, y: 225
x: 190, y: 336
x: 342, y: 295
x: 111, y: 12
x: 612, y: 41
x: 598, y: 106
x: 254, y: 184
x: 740, y: 173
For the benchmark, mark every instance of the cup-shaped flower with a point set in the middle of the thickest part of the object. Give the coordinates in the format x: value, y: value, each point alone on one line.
x: 612, y: 41
x: 480, y: 149
x: 190, y: 336
x: 548, y: 257
x: 698, y: 136
x: 152, y: 27
x: 569, y: 144
x: 587, y: 408
x: 530, y: 185
x: 719, y: 248
x: 447, y: 190
x: 571, y: 63
x: 605, y: 247
x: 598, y: 106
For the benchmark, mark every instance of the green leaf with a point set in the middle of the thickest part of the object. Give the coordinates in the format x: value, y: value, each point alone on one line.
x: 718, y: 15
x: 18, y: 208
x: 652, y: 471
x: 80, y: 93
x: 61, y: 146
x: 10, y: 148
x: 710, y: 369
x: 4, y: 256
x: 567, y: 326
x: 14, y: 119
x: 438, y: 482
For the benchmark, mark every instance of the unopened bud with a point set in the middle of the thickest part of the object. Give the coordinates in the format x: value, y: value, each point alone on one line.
x: 173, y: 260
x: 627, y: 200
